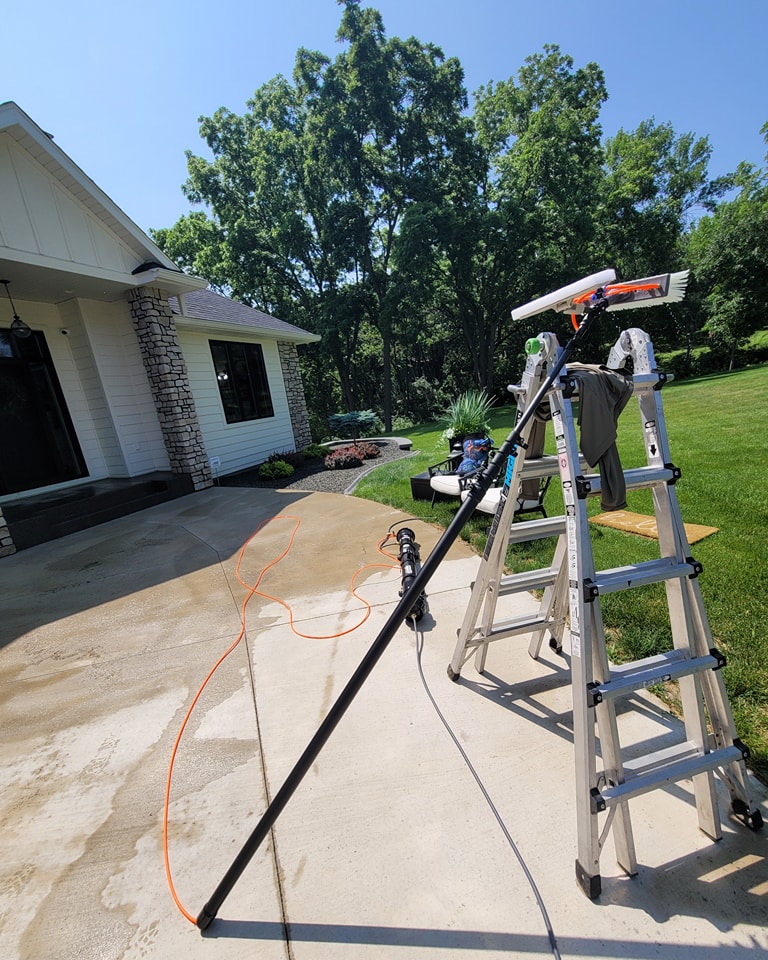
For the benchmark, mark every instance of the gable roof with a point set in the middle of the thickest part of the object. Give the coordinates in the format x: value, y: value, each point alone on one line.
x: 60, y: 234
x: 204, y: 307
x: 40, y: 145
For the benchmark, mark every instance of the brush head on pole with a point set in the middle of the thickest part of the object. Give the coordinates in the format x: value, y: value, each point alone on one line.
x: 648, y: 292
x: 563, y: 299
x: 576, y: 297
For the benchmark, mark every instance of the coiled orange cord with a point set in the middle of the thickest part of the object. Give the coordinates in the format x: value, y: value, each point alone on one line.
x: 253, y: 590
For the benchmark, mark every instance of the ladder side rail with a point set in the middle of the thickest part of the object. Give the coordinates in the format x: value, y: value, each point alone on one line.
x: 579, y: 567
x: 506, y: 516
x: 485, y: 589
x: 610, y: 744
x: 686, y: 637
x: 722, y: 729
x: 605, y: 711
x: 716, y: 698
x: 554, y: 602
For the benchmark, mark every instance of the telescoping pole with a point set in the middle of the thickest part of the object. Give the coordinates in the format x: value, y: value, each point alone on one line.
x: 398, y: 616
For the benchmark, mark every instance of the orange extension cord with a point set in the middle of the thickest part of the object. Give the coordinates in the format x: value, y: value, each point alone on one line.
x: 253, y: 590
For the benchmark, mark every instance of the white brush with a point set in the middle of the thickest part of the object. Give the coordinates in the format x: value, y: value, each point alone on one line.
x: 562, y: 300
x: 666, y: 288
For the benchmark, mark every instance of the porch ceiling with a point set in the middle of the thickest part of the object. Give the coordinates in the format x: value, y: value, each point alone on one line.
x: 30, y: 281
x: 33, y: 282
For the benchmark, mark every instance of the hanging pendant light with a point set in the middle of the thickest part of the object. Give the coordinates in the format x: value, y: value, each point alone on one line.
x: 18, y: 327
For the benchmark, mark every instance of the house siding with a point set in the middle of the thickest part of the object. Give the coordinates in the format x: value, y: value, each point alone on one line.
x: 237, y: 445
x: 38, y: 216
x: 121, y: 398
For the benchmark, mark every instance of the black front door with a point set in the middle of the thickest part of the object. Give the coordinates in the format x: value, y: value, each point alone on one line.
x: 38, y: 445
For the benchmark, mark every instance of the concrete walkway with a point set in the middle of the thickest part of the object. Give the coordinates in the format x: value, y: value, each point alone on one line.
x: 388, y: 849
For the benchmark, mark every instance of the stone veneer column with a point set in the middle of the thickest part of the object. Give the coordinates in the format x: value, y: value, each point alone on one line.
x: 168, y: 378
x: 7, y: 546
x: 294, y: 389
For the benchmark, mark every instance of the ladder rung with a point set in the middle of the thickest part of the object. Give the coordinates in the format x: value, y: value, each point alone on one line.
x: 641, y: 382
x: 667, y: 766
x: 529, y: 580
x: 637, y: 478
x: 514, y: 627
x: 640, y: 674
x: 546, y: 466
x: 645, y: 381
x: 639, y: 575
x: 521, y: 532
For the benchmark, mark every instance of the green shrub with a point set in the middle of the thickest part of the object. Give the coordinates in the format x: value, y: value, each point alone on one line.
x: 356, y: 423
x: 314, y: 451
x: 275, y: 470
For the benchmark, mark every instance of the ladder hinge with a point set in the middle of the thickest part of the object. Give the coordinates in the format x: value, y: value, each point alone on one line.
x: 569, y: 386
x: 676, y: 473
x: 591, y: 590
x: 596, y: 801
x: 661, y: 379
x: 721, y: 659
x: 583, y: 488
x: 593, y: 694
x: 741, y: 746
x: 697, y: 567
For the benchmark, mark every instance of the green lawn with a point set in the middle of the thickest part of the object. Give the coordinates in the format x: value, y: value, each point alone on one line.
x: 718, y: 432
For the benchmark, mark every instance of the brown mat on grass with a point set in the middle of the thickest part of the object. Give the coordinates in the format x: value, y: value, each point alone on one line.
x: 646, y: 526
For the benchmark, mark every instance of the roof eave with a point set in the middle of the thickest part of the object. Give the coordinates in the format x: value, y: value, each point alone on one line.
x: 263, y: 333
x: 173, y: 281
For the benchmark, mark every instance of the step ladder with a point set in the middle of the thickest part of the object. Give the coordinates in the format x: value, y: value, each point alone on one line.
x: 571, y: 599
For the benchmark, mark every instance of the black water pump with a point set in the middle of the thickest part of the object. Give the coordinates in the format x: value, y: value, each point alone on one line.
x: 409, y: 557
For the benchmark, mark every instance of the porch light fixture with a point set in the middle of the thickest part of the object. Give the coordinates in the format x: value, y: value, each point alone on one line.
x: 18, y: 327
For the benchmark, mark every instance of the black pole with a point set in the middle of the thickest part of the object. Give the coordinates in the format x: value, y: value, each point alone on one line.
x: 398, y: 616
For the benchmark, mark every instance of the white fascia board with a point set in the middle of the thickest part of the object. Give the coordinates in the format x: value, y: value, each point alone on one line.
x: 243, y: 331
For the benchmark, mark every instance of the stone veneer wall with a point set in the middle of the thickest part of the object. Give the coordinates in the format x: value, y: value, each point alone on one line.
x: 7, y: 546
x: 294, y: 389
x: 168, y: 378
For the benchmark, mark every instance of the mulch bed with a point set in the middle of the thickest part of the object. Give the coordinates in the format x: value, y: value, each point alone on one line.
x: 312, y: 474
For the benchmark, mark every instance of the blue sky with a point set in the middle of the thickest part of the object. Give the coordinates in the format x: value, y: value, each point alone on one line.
x: 121, y: 85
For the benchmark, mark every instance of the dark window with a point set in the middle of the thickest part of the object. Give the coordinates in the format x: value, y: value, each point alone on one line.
x: 242, y: 380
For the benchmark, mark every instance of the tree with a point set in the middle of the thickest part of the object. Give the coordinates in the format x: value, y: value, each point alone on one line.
x: 516, y: 218
x: 655, y: 184
x: 307, y: 191
x: 729, y: 254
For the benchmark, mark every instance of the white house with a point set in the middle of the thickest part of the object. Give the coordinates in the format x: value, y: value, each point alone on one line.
x: 124, y: 381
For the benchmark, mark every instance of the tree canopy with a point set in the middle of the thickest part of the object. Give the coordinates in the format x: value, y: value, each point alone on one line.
x: 363, y: 200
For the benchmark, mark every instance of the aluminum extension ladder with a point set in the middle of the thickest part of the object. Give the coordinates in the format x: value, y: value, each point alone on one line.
x: 572, y: 589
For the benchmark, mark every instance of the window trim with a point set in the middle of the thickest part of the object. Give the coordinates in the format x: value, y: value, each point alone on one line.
x: 242, y: 380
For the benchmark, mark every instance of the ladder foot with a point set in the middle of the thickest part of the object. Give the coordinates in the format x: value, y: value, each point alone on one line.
x: 453, y: 674
x: 555, y: 644
x: 590, y: 885
x: 750, y: 818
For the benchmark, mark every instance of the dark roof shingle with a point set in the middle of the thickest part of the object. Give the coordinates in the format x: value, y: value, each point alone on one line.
x: 207, y: 305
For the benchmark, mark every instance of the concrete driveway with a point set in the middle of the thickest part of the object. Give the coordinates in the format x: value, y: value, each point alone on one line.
x: 388, y: 849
